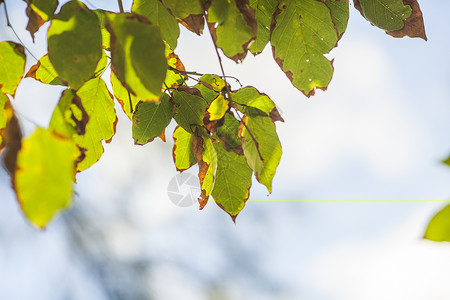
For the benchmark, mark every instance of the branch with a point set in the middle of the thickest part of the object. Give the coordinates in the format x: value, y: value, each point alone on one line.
x: 120, y: 6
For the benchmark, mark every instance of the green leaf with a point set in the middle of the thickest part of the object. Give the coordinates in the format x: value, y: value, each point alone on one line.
x: 123, y: 97
x: 106, y: 37
x: 69, y: 116
x: 44, y: 72
x: 189, y: 109
x: 182, y: 153
x: 75, y: 62
x: 12, y: 66
x: 236, y: 27
x: 249, y: 96
x: 262, y: 148
x: 150, y: 119
x: 385, y: 14
x: 39, y: 12
x: 206, y: 156
x: 233, y: 181
x: 155, y: 11
x: 189, y: 13
x: 218, y: 108
x: 137, y: 55
x: 303, y: 33
x: 99, y: 105
x: 43, y: 180
x: 264, y: 10
x: 340, y: 13
x: 228, y: 134
x: 439, y: 227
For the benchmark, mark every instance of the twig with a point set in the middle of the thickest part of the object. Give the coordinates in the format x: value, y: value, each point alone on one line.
x: 120, y: 6
x: 228, y: 91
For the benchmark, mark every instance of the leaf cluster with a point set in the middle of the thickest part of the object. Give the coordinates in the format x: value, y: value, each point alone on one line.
x: 230, y: 134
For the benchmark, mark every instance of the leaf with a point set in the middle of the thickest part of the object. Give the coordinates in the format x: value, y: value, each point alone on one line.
x: 414, y: 26
x: 228, y: 134
x: 43, y: 180
x: 124, y: 97
x: 339, y: 10
x: 218, y: 108
x: 189, y: 109
x: 303, y: 32
x: 385, y: 14
x: 262, y: 148
x: 44, y: 72
x: 106, y: 37
x: 150, y: 119
x: 210, y: 86
x: 137, y: 55
x: 6, y: 113
x: 12, y: 66
x: 206, y: 157
x: 233, y: 181
x: 99, y: 105
x: 12, y: 140
x: 264, y: 10
x: 182, y: 153
x: 75, y: 62
x: 439, y: 227
x: 39, y: 12
x: 173, y: 78
x: 236, y: 27
x: 69, y: 116
x: 251, y: 97
x: 155, y: 11
x: 189, y: 13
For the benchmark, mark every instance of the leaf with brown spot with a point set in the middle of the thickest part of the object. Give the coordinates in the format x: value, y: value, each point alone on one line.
x: 233, y: 27
x: 414, y: 26
x: 188, y: 13
x: 206, y: 157
x: 228, y: 134
x: 12, y: 66
x: 39, y: 12
x: 10, y: 134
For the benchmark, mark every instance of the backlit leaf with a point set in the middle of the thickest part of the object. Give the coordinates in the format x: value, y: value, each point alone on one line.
x: 303, y: 33
x: 12, y: 66
x: 339, y: 12
x: 447, y: 161
x: 210, y: 86
x: 137, y: 55
x: 262, y: 148
x: 75, y: 43
x: 106, y: 37
x: 414, y: 26
x: 189, y: 13
x: 228, y: 134
x: 44, y: 72
x: 124, y: 97
x: 150, y: 119
x: 173, y: 78
x: 264, y: 10
x: 5, y: 116
x: 236, y: 27
x: 439, y: 227
x: 182, y: 153
x: 155, y: 11
x: 99, y: 105
x: 233, y: 181
x: 39, y: 12
x: 189, y: 110
x: 206, y: 156
x: 249, y: 96
x: 43, y: 180
x: 218, y: 108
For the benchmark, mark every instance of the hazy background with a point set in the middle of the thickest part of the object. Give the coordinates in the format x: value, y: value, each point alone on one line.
x: 378, y: 133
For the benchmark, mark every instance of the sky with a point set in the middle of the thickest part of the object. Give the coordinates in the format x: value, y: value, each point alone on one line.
x: 378, y: 133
